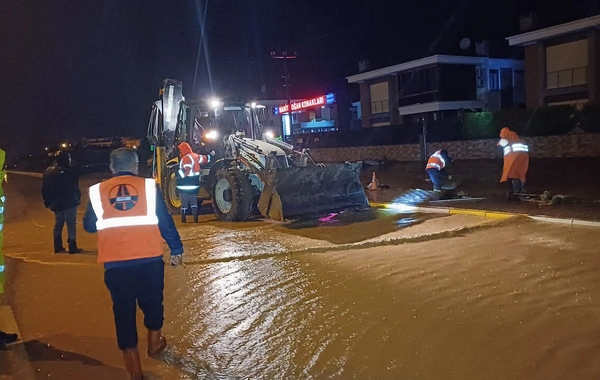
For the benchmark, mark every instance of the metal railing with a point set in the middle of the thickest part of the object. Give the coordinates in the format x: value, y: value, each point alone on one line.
x: 567, y: 78
x: 380, y: 106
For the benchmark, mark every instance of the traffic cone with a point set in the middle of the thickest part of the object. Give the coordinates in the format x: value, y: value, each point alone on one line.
x: 374, y: 185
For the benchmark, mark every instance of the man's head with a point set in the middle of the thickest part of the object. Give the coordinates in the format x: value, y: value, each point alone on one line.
x: 63, y: 159
x: 124, y: 160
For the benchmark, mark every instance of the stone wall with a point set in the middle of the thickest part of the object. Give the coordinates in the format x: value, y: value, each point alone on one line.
x: 574, y: 145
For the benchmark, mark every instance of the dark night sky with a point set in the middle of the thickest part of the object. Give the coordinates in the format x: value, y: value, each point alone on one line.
x: 75, y: 68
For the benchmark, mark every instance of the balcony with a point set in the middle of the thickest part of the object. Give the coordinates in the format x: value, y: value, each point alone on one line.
x: 567, y: 78
x: 380, y: 107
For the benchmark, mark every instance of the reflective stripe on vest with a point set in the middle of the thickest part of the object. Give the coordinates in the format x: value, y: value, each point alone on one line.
x: 516, y: 147
x: 146, y: 220
x: 191, y: 171
x: 432, y: 164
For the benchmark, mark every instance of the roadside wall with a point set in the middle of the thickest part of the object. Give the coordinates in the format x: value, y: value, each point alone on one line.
x: 575, y: 145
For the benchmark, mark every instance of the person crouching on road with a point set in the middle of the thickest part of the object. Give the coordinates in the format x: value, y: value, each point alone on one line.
x: 436, y: 168
x: 61, y: 194
x: 516, y: 160
x: 130, y: 216
x: 188, y: 179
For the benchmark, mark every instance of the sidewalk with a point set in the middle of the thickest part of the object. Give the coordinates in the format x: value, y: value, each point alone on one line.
x: 579, y: 178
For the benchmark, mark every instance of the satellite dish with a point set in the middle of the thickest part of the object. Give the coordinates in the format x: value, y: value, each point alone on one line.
x: 465, y: 43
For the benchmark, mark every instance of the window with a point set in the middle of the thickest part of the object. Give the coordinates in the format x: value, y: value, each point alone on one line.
x: 566, y: 64
x: 418, y: 81
x: 380, y: 98
x: 494, y: 80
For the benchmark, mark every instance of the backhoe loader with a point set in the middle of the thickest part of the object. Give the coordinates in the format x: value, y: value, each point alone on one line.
x: 249, y: 172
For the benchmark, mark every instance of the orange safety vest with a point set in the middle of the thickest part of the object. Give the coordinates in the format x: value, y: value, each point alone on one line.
x: 436, y: 161
x: 189, y: 166
x: 127, y: 222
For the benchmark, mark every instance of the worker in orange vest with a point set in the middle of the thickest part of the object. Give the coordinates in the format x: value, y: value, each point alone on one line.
x: 130, y: 216
x: 436, y: 168
x: 188, y: 179
x: 516, y: 160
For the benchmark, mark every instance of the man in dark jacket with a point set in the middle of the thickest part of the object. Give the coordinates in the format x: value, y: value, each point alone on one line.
x: 61, y: 194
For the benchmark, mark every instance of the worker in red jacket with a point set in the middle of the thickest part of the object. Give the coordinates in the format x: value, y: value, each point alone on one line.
x: 188, y: 179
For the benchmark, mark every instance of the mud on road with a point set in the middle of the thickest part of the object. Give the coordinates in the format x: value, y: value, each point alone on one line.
x: 366, y: 296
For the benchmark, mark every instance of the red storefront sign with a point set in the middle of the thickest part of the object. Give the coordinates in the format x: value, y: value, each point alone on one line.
x: 298, y: 106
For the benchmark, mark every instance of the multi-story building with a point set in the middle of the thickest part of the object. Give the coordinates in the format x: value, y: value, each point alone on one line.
x: 562, y: 63
x: 438, y: 87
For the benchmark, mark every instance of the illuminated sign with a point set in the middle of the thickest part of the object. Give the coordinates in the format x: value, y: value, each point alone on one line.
x: 304, y: 104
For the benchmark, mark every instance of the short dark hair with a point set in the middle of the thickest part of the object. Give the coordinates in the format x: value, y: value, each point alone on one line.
x: 123, y: 160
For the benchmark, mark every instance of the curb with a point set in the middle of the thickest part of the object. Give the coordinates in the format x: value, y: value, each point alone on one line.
x: 485, y: 214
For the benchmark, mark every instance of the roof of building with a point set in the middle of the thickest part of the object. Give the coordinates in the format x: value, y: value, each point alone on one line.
x: 432, y: 60
x: 554, y: 31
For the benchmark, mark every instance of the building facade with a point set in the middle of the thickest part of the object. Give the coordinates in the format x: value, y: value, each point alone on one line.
x: 562, y: 63
x: 438, y: 87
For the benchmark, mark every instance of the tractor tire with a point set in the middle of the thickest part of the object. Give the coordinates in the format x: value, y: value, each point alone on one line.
x: 232, y: 195
x: 170, y: 192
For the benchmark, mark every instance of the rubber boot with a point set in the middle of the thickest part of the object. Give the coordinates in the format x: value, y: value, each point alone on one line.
x: 195, y: 214
x: 73, y: 248
x: 156, y: 342
x: 131, y: 358
x: 183, y: 220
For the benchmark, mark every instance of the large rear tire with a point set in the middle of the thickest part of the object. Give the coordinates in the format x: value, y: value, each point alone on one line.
x: 171, y: 196
x: 232, y: 195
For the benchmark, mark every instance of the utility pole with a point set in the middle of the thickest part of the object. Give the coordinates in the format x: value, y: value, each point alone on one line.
x: 285, y: 56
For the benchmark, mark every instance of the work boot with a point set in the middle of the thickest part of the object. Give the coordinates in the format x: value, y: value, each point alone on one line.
x: 6, y: 338
x: 133, y: 366
x: 156, y: 342
x: 73, y: 248
x: 58, y: 246
x: 195, y: 214
x: 183, y: 220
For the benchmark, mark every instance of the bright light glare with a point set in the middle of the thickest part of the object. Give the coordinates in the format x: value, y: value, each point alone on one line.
x: 64, y: 145
x: 401, y: 207
x: 253, y: 104
x: 212, y: 135
x: 215, y: 103
x: 270, y: 134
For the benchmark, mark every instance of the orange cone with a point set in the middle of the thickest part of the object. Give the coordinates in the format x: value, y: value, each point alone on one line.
x: 374, y: 185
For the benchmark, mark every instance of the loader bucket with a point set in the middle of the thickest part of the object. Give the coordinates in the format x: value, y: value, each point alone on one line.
x: 293, y: 192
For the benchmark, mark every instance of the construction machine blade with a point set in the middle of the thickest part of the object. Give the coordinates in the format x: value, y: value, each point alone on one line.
x: 293, y: 192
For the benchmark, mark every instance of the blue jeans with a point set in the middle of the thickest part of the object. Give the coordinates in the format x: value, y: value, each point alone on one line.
x: 133, y: 285
x: 60, y: 218
x: 436, y: 178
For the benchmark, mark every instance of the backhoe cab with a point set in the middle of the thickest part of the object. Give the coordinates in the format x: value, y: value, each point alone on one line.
x: 249, y: 172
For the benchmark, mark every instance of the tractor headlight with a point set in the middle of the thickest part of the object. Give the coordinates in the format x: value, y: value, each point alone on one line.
x: 270, y: 134
x: 212, y: 135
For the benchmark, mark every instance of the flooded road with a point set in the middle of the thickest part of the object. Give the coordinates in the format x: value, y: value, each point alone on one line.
x: 351, y: 296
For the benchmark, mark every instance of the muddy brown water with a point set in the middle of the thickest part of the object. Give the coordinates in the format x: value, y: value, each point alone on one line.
x: 516, y: 301
x: 313, y: 300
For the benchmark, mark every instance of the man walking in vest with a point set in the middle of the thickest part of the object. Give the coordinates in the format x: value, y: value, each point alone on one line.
x: 130, y: 216
x: 188, y: 179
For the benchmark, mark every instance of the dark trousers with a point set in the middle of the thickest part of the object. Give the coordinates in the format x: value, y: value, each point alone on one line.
x: 60, y: 218
x: 516, y: 185
x: 436, y: 178
x: 188, y: 200
x: 129, y: 286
